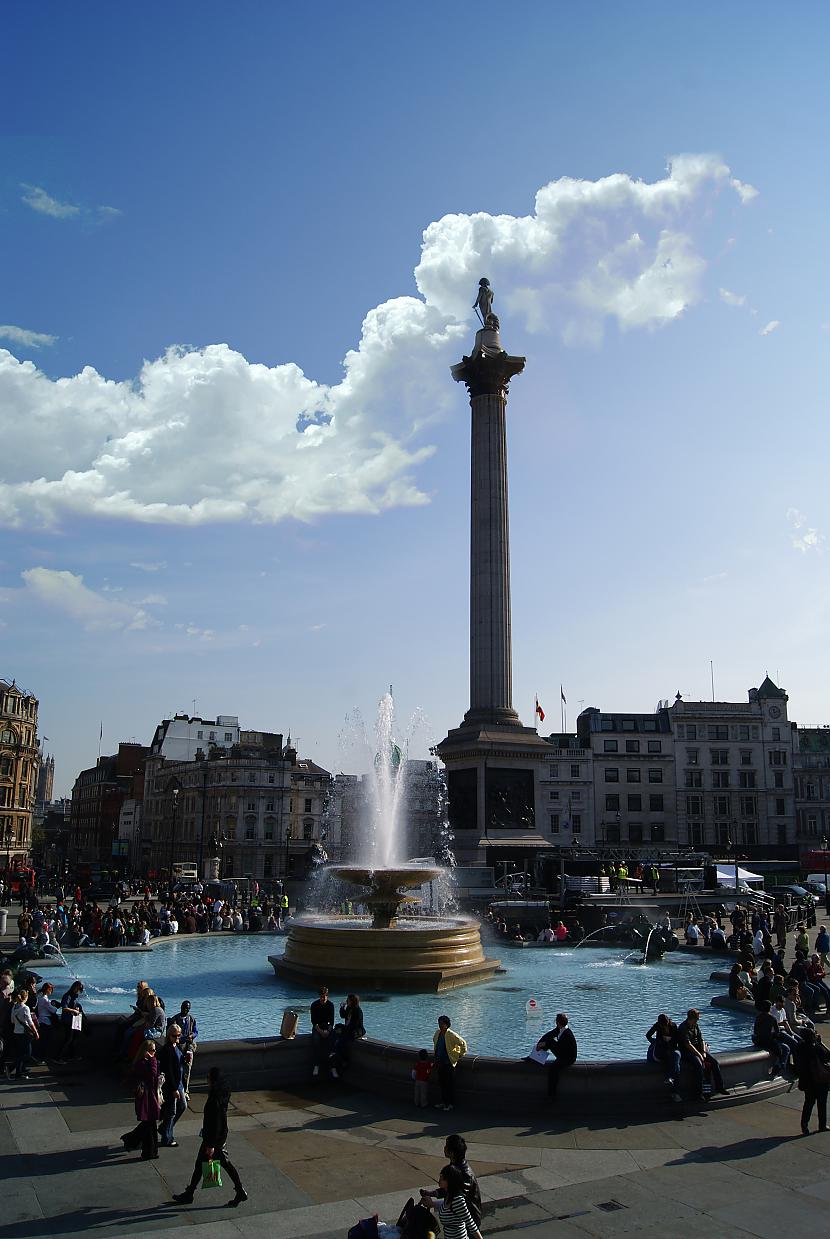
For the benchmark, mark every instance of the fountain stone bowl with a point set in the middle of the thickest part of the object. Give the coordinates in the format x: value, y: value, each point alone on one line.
x: 424, y: 954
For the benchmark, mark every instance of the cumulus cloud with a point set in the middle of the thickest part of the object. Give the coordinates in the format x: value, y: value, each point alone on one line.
x: 804, y: 538
x: 25, y: 338
x: 204, y: 435
x: 771, y: 326
x: 66, y: 592
x: 731, y: 298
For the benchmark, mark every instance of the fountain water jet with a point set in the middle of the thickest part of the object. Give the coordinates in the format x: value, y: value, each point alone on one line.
x: 424, y: 953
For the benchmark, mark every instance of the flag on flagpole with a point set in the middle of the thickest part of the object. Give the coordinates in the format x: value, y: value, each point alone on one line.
x: 101, y: 732
x: 540, y: 711
x: 562, y: 695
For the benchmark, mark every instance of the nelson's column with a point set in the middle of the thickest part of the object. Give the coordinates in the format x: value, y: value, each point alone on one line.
x: 493, y: 762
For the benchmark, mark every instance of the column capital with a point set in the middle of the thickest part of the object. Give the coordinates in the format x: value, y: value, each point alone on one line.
x: 487, y: 375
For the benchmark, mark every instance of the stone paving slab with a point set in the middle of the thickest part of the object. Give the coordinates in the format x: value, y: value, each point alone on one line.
x: 314, y: 1166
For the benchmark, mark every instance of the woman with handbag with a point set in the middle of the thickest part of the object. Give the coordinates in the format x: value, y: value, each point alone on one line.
x: 812, y: 1062
x: 212, y: 1148
x: 147, y: 1101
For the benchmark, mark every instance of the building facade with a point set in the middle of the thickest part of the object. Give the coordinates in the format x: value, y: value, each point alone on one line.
x: 180, y: 738
x: 45, y: 779
x: 734, y: 772
x: 97, y: 797
x: 19, y: 765
x: 811, y: 776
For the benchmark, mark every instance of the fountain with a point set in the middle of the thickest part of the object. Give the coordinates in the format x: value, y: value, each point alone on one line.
x: 417, y: 952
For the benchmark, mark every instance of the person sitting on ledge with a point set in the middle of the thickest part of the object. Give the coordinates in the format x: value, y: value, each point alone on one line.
x: 561, y: 1043
x: 738, y: 992
x: 546, y: 936
x: 662, y: 1049
x: 763, y: 986
x: 695, y: 1052
x: 766, y: 1036
x: 717, y: 939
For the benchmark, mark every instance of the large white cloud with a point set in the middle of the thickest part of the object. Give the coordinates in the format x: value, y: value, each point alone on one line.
x: 204, y: 435
x: 66, y: 592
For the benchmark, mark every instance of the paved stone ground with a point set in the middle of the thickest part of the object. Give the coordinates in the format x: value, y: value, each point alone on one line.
x: 316, y: 1160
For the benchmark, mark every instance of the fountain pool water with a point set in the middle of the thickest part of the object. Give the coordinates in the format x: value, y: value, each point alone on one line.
x: 235, y: 994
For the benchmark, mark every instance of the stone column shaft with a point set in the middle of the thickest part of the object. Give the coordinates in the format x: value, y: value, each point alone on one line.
x: 491, y: 686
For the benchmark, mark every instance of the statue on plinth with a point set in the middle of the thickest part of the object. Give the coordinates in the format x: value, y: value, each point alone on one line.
x: 483, y: 303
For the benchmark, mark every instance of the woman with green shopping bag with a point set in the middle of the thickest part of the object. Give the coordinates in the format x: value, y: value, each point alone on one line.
x: 212, y: 1148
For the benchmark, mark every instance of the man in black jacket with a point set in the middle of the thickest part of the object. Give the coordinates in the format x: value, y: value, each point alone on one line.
x: 212, y: 1148
x: 561, y: 1043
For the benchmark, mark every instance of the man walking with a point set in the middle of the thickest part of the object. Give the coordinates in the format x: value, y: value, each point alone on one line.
x: 214, y: 1136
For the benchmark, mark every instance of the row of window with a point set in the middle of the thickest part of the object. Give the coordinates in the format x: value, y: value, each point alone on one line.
x: 721, y: 779
x: 632, y: 746
x: 574, y: 821
x: 632, y: 774
x: 656, y: 833
x: 721, y: 805
x: 720, y: 757
x: 627, y: 724
x: 634, y: 803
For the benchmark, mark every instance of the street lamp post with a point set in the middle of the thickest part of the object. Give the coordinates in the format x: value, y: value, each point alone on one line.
x: 174, y: 801
x: 826, y: 892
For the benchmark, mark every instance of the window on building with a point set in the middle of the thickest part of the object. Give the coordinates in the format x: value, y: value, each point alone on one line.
x: 721, y: 805
x: 782, y: 833
x: 692, y: 757
x: 250, y: 805
x: 694, y: 778
x: 613, y: 832
x: 632, y: 746
x: 658, y: 832
x: 554, y: 823
x: 746, y: 757
x: 229, y: 735
x: 252, y: 778
x: 199, y: 735
x: 691, y: 731
x: 720, y: 778
x: 776, y: 733
x: 778, y: 779
x: 268, y: 866
x: 554, y: 795
x: 635, y: 832
x: 553, y: 772
x: 575, y: 770
x: 576, y: 795
x: 717, y: 731
x: 719, y: 757
x: 812, y: 824
x: 632, y: 776
x: 694, y: 806
x: 780, y: 807
x: 628, y: 724
x: 655, y: 746
x: 270, y: 778
x: 751, y: 833
x: 612, y: 804
x: 777, y: 757
x: 211, y: 735
x: 609, y: 746
x: 655, y: 804
x: 307, y: 808
x: 269, y: 806
x: 749, y: 806
x: 308, y: 829
x: 612, y: 774
x: 606, y: 724
x: 655, y: 775
x: 233, y: 776
x: 576, y: 823
x: 635, y: 804
x: 649, y: 724
x: 746, y: 778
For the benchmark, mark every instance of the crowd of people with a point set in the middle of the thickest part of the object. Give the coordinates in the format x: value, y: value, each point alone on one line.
x: 80, y: 921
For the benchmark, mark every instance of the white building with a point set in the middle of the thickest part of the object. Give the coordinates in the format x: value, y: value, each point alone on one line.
x: 179, y: 738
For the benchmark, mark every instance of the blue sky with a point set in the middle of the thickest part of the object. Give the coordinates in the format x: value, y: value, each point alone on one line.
x: 253, y: 192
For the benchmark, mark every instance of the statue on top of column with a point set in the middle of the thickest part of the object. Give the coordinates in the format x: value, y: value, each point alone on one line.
x: 483, y: 303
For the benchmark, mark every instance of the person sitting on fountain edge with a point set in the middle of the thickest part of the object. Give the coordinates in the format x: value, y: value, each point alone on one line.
x: 561, y: 1043
x: 322, y: 1022
x: 695, y: 1052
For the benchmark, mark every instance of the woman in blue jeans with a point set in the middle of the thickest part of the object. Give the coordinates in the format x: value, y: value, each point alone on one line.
x: 662, y: 1048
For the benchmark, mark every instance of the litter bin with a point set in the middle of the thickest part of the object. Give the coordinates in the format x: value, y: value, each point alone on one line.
x: 3, y: 918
